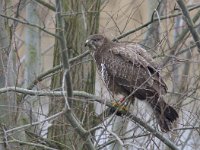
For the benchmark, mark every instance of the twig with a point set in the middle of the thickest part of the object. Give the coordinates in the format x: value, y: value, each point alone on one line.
x: 104, y: 128
x: 32, y: 144
x: 154, y: 132
x: 115, y: 135
x: 42, y: 76
x: 187, y: 128
x: 189, y: 22
x: 143, y: 124
x: 90, y: 96
x: 56, y: 68
x: 174, y: 48
x: 123, y: 138
x: 43, y: 140
x: 30, y: 24
x: 5, y: 137
x: 35, y: 123
x: 150, y: 22
x: 42, y: 2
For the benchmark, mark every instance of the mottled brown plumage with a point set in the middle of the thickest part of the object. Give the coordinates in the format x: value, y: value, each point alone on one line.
x: 128, y: 67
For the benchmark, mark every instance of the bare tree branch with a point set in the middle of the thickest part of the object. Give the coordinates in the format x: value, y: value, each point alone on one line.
x: 150, y: 22
x: 30, y: 24
x: 32, y: 144
x: 115, y: 135
x: 93, y: 98
x: 189, y: 22
x: 46, y: 5
x: 56, y: 68
x: 35, y: 123
x: 174, y: 50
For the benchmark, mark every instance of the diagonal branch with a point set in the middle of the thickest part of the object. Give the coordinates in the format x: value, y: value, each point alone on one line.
x: 174, y: 48
x: 57, y: 68
x: 150, y: 22
x: 42, y: 2
x: 93, y: 98
x: 189, y: 22
x: 30, y: 24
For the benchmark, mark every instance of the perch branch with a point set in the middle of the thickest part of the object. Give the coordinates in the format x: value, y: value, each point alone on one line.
x: 93, y: 98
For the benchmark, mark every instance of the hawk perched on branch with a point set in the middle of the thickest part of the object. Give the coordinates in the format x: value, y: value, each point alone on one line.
x: 129, y: 70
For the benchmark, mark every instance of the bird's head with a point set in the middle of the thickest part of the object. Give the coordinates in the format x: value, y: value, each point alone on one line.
x: 95, y: 41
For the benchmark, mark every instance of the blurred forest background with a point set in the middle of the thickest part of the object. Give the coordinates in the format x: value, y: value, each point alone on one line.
x: 51, y: 96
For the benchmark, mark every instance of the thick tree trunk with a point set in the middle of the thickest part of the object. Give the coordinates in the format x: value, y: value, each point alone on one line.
x: 32, y: 66
x: 8, y: 77
x: 78, y: 26
x: 32, y: 41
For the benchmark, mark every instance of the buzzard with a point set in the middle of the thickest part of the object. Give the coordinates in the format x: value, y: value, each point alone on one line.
x: 128, y: 69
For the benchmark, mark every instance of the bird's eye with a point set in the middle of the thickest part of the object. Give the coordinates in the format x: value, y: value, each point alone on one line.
x: 96, y: 40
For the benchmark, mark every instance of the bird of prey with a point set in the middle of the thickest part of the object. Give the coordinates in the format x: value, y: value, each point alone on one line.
x: 128, y: 69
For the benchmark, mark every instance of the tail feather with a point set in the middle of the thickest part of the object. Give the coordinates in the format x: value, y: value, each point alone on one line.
x: 165, y: 114
x: 170, y: 113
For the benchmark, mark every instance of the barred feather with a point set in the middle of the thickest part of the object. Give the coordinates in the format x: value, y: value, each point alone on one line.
x: 129, y: 68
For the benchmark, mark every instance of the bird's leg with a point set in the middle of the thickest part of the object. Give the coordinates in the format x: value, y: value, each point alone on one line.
x: 122, y: 100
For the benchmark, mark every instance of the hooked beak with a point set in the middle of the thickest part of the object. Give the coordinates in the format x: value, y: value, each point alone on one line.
x: 87, y: 42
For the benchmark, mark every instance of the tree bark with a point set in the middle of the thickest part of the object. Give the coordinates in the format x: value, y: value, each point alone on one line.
x: 8, y: 77
x: 77, y: 27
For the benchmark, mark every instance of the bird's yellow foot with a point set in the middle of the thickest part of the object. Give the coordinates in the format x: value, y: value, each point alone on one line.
x: 120, y: 106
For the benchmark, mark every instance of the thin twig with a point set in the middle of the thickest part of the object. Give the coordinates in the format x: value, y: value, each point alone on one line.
x: 35, y: 123
x: 115, y: 135
x: 94, y: 98
x: 174, y: 48
x: 150, y: 22
x: 30, y: 24
x: 42, y: 2
x: 57, y: 68
x: 32, y: 144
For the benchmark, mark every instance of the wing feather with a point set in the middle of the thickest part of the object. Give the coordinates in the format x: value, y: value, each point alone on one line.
x: 139, y: 58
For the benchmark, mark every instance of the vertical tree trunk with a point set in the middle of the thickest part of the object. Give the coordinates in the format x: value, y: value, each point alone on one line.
x: 77, y: 27
x: 32, y: 41
x: 7, y: 78
x: 155, y: 10
x: 4, y: 44
x: 32, y: 59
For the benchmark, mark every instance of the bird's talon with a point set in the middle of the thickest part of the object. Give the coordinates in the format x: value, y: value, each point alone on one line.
x: 119, y: 106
